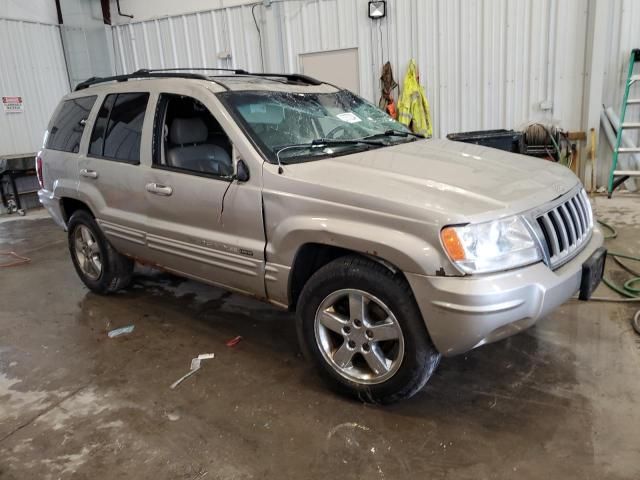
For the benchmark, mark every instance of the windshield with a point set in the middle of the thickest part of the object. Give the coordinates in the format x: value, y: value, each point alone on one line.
x: 285, y: 124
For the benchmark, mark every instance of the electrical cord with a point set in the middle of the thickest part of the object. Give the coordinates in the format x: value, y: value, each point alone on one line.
x: 614, y: 232
x: 253, y: 14
x: 381, y: 42
x: 20, y: 259
x: 255, y: 21
x: 628, y: 289
x: 232, y: 179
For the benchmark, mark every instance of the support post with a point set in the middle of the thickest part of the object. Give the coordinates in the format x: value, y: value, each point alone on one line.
x: 595, y: 62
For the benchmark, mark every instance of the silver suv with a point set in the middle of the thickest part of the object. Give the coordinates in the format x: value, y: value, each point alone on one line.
x: 392, y: 249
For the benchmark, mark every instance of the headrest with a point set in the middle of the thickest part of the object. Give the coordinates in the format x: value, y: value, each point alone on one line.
x: 188, y: 130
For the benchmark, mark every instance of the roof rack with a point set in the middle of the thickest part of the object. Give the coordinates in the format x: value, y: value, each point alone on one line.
x: 237, y: 71
x: 139, y: 74
x: 156, y: 73
x: 291, y: 77
x: 180, y: 73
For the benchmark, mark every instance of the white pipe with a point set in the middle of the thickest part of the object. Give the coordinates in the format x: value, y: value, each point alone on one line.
x: 626, y: 161
x: 551, y: 53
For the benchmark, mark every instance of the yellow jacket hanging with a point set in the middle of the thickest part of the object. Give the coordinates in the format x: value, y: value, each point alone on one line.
x: 413, y: 106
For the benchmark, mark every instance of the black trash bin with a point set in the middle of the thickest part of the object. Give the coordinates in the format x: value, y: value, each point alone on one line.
x: 508, y: 140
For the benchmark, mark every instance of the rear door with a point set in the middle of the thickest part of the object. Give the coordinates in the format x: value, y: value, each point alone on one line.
x: 200, y: 222
x: 111, y: 172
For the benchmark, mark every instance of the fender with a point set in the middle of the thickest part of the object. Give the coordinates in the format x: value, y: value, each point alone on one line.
x: 404, y: 251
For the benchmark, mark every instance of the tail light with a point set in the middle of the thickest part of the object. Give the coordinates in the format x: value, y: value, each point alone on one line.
x: 39, y: 170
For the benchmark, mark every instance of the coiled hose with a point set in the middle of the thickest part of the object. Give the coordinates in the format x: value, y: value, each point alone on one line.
x: 628, y: 289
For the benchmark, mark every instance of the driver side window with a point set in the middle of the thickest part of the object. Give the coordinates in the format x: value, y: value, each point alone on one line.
x: 189, y: 139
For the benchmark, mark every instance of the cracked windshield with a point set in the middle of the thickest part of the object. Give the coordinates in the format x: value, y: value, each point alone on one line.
x: 295, y: 127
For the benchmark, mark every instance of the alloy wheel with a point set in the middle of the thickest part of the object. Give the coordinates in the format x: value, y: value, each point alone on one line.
x: 87, y: 252
x: 359, y: 336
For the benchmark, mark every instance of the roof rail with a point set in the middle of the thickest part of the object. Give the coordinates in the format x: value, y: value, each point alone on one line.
x: 237, y: 71
x: 291, y: 77
x: 139, y: 74
x: 181, y: 73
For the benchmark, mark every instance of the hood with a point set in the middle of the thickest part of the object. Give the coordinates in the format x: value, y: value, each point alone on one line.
x: 458, y: 180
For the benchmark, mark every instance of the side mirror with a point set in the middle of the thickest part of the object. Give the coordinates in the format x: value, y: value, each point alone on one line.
x: 242, y: 171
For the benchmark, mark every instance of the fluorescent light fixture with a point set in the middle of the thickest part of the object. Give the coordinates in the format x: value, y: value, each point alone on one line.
x: 377, y: 9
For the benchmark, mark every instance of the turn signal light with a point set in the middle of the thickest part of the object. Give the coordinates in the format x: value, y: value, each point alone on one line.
x: 452, y: 244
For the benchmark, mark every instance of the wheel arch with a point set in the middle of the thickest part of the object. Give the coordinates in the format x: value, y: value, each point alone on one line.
x: 311, y: 242
x: 70, y: 205
x: 312, y: 256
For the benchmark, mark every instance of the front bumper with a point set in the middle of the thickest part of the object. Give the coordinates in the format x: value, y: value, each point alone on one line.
x: 53, y: 205
x: 462, y: 313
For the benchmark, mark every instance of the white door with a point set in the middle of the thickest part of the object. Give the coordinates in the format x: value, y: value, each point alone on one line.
x: 339, y: 67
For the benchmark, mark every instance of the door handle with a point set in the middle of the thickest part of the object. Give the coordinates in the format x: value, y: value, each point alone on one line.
x: 88, y: 173
x: 158, y: 189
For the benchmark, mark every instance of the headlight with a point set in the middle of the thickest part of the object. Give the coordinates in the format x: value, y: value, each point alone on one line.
x: 492, y: 246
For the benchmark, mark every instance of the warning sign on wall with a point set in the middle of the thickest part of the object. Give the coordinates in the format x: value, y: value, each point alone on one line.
x: 12, y: 105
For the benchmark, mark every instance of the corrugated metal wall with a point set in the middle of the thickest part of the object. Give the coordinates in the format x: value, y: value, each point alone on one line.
x: 623, y: 35
x: 31, y: 66
x: 190, y: 40
x: 330, y: 25
x: 484, y: 63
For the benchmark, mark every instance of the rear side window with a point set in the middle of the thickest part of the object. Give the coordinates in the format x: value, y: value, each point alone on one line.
x: 68, y: 124
x: 118, y: 127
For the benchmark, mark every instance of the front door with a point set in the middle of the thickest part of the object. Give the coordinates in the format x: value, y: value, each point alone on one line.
x: 200, y: 222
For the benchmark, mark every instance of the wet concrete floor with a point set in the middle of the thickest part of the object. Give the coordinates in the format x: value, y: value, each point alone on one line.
x: 561, y: 400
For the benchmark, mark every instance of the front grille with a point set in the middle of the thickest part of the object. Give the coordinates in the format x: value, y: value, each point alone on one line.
x: 566, y: 228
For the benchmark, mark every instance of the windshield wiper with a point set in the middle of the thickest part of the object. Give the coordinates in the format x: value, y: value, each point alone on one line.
x: 326, y: 142
x: 394, y: 133
x: 346, y: 141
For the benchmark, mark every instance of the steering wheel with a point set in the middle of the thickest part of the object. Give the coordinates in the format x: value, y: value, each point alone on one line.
x: 333, y: 134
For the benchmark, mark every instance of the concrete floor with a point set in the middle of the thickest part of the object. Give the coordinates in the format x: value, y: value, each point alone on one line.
x: 558, y: 401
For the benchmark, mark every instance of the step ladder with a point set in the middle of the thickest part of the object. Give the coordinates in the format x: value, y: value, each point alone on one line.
x: 617, y: 177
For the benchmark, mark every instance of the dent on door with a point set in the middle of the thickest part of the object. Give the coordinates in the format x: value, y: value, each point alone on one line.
x: 188, y: 235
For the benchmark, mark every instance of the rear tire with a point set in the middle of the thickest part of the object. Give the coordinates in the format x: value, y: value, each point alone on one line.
x: 99, y: 266
x: 360, y: 324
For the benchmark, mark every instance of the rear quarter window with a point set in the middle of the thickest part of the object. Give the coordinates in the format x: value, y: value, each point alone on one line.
x: 68, y: 124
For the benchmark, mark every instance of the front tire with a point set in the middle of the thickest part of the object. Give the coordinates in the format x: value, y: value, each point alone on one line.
x: 360, y: 324
x: 99, y: 266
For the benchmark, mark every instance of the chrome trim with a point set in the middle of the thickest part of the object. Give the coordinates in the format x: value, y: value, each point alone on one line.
x: 215, y: 258
x: 576, y: 217
x: 568, y: 224
x: 125, y: 233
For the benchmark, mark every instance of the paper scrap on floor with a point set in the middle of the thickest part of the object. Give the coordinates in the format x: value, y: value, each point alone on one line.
x: 195, y: 366
x: 121, y: 331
